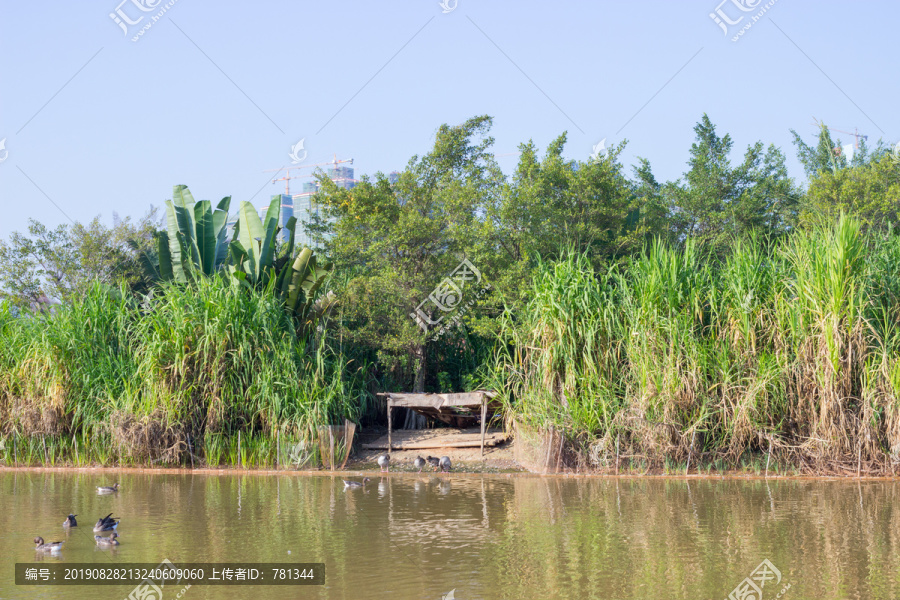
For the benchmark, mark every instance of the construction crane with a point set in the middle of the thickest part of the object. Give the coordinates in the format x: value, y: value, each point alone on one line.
x: 856, y: 134
x: 287, y: 177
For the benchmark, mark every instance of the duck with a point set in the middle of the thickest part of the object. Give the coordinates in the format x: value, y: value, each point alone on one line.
x: 70, y: 521
x: 419, y: 463
x: 434, y: 461
x: 108, y: 489
x: 445, y: 464
x: 354, y: 484
x: 107, y: 541
x: 107, y: 523
x: 40, y: 546
x: 383, y: 461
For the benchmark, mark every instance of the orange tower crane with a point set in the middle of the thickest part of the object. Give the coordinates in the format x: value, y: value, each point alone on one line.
x: 287, y: 177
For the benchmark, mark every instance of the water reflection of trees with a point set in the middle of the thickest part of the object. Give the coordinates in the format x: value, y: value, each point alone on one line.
x: 517, y: 537
x: 677, y: 538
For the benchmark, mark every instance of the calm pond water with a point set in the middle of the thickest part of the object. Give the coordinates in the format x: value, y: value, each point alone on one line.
x: 492, y: 536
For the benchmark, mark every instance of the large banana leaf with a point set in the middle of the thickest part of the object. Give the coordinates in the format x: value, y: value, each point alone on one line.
x: 196, y: 236
x: 267, y: 252
x: 220, y: 224
x: 175, y: 250
x: 165, y: 256
x: 196, y: 244
x: 257, y: 239
x: 205, y: 240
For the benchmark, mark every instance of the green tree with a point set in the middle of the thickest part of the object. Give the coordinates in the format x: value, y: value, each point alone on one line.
x: 54, y: 265
x: 717, y: 201
x: 870, y: 192
x: 397, y: 242
x: 552, y: 205
x: 821, y: 158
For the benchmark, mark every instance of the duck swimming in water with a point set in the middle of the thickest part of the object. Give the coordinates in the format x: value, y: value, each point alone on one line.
x: 354, y: 484
x: 108, y: 489
x: 384, y: 461
x: 419, y: 463
x: 70, y: 521
x: 107, y: 523
x: 40, y: 546
x: 107, y: 541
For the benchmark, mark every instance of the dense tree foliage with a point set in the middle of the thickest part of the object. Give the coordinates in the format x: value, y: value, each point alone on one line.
x: 718, y: 202
x: 867, y: 185
x: 54, y: 265
x: 393, y: 244
x: 396, y: 244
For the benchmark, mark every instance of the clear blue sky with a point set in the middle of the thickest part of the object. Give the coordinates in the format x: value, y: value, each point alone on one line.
x: 215, y: 93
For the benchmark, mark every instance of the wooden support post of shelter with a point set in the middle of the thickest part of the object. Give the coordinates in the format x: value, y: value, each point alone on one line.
x: 452, y: 409
x: 483, y: 422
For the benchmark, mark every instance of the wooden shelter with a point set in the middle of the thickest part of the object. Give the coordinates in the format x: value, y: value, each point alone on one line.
x: 448, y: 408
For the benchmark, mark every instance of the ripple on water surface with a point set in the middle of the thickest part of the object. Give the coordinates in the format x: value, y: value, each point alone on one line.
x: 419, y: 535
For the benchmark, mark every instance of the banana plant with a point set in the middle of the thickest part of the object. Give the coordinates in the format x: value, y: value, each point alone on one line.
x: 194, y: 244
x: 298, y: 286
x: 194, y: 241
x: 254, y: 263
x: 253, y: 249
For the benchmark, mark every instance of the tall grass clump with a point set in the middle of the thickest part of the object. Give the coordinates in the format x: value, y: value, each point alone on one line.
x: 749, y: 377
x: 880, y: 377
x: 60, y: 370
x: 665, y: 294
x: 559, y: 364
x: 216, y: 359
x: 212, y: 366
x: 821, y: 310
x: 788, y: 348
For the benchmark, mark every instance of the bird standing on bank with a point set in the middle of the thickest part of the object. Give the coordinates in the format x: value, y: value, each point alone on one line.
x: 419, y: 463
x: 445, y: 464
x: 384, y: 461
x: 434, y: 461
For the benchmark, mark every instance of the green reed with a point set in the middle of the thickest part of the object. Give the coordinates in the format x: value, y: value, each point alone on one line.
x: 787, y: 349
x: 164, y: 380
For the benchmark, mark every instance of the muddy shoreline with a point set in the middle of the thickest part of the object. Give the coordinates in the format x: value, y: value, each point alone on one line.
x: 360, y: 472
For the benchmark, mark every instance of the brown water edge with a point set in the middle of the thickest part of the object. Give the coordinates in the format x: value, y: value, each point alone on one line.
x: 729, y: 476
x: 517, y: 456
